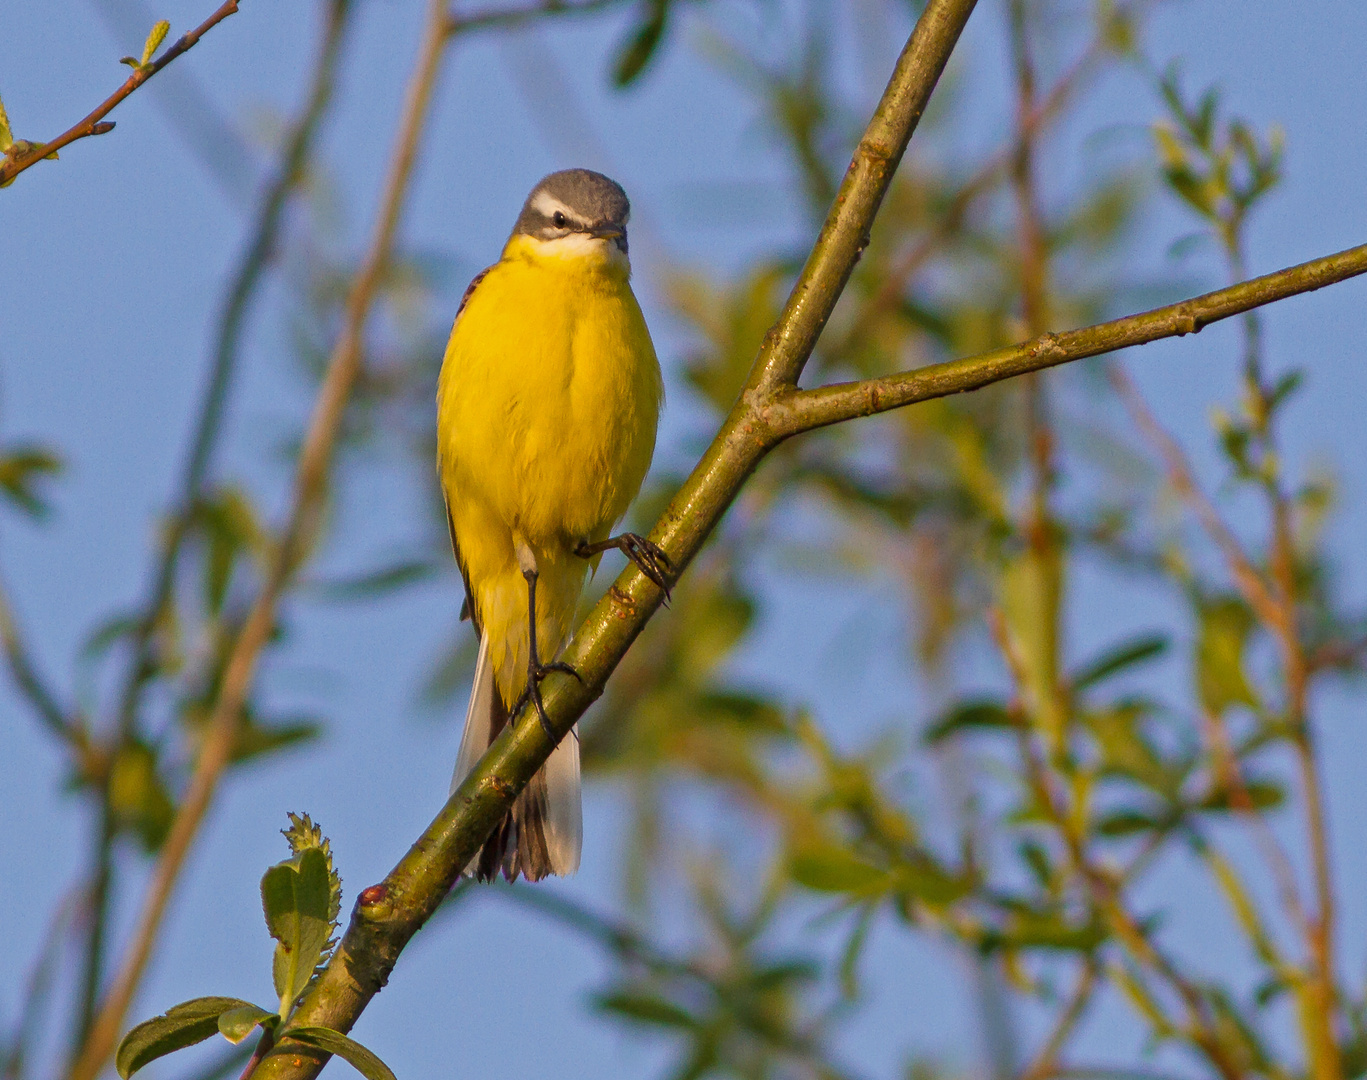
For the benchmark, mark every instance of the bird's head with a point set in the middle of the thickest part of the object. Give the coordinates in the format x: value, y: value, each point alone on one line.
x: 576, y: 213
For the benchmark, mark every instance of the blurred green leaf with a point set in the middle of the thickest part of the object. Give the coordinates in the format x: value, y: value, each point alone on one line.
x: 970, y: 715
x: 138, y: 799
x: 1127, y: 654
x: 6, y: 135
x: 643, y: 1007
x: 22, y: 468
x: 641, y: 43
x: 1223, y: 627
x: 184, y: 1025
x: 829, y: 867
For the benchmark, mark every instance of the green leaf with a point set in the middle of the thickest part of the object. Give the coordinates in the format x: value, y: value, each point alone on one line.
x: 236, y: 1024
x: 154, y: 40
x: 641, y: 44
x: 830, y: 868
x: 1225, y: 624
x: 296, y: 898
x: 1127, y: 654
x: 6, y: 136
x: 334, y: 1042
x: 188, y: 1023
x: 971, y: 715
x: 646, y: 1008
x: 138, y: 799
x: 21, y: 469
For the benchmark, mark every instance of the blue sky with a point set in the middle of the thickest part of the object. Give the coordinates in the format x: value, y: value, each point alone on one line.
x: 109, y: 277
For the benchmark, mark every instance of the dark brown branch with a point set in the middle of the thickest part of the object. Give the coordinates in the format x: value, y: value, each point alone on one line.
x: 94, y: 123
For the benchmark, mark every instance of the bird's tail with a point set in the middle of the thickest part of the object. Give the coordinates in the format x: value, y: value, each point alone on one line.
x: 543, y: 832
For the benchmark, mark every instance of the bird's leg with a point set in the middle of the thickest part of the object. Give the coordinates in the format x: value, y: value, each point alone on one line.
x: 648, y: 557
x: 536, y: 670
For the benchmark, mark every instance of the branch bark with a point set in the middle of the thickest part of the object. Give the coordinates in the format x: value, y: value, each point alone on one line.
x: 805, y: 410
x: 94, y: 123
x: 389, y: 914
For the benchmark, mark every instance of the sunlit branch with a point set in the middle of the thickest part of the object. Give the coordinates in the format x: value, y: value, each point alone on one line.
x: 95, y: 123
x: 805, y: 410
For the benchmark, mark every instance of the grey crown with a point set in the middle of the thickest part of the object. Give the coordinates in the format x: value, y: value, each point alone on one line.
x: 592, y: 202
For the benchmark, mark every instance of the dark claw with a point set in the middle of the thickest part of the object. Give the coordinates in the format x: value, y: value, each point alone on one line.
x: 649, y: 558
x: 533, y: 692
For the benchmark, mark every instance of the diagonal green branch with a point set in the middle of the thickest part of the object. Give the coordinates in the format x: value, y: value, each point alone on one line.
x: 804, y: 410
x: 389, y: 914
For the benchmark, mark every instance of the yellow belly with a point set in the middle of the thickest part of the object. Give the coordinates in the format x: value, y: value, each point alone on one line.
x: 546, y: 413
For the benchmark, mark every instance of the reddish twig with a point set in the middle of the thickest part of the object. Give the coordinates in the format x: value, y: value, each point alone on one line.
x: 95, y: 123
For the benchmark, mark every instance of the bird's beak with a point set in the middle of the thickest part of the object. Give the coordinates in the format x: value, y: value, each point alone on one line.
x: 614, y: 233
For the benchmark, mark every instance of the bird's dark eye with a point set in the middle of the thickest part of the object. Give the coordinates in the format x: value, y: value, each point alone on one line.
x: 558, y: 220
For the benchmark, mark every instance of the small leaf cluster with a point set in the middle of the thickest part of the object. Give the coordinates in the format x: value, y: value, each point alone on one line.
x: 154, y: 39
x: 302, y: 899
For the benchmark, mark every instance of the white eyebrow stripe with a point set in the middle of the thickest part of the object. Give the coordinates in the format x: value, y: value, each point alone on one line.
x: 547, y: 205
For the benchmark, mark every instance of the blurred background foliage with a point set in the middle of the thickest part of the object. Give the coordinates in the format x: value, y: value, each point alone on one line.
x: 1016, y: 812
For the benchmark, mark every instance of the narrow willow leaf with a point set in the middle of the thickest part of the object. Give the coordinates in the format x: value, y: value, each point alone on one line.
x: 1128, y: 653
x: 236, y: 1024
x: 645, y: 1008
x: 968, y: 715
x: 830, y: 868
x: 295, y: 898
x: 642, y: 43
x: 6, y: 136
x: 362, y: 1060
x: 154, y: 40
x: 184, y: 1025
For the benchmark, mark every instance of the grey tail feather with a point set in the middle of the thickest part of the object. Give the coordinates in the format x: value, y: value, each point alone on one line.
x: 543, y: 832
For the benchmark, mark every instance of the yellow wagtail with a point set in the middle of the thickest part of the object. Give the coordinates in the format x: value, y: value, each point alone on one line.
x: 547, y: 406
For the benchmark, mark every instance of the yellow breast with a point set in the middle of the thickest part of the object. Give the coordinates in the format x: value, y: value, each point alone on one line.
x: 549, y: 395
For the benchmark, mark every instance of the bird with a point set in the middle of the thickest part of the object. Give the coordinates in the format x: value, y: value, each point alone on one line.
x: 548, y: 402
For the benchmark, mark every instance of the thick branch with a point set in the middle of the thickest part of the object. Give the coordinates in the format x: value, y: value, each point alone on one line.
x: 309, y: 488
x: 93, y: 124
x: 388, y: 915
x: 807, y: 409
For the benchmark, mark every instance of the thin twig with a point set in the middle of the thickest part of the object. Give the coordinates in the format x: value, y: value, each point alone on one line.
x: 39, y: 695
x: 508, y: 18
x: 94, y: 123
x: 1249, y: 580
x: 309, y: 488
x: 36, y: 988
x: 1045, y: 1063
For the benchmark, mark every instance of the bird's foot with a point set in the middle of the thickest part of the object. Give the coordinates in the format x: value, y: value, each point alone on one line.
x: 649, y: 558
x: 532, y: 692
